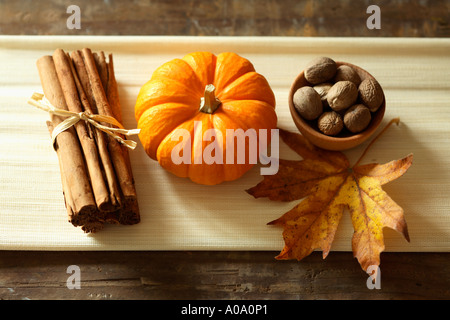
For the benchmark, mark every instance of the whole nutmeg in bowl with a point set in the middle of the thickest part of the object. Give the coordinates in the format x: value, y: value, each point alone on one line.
x: 352, y: 104
x: 320, y: 70
x: 342, y: 95
x: 308, y: 103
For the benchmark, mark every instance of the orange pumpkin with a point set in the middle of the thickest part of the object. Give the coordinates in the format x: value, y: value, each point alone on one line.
x: 199, y: 92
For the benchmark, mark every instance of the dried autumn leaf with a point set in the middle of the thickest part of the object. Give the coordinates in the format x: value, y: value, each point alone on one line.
x: 328, y: 185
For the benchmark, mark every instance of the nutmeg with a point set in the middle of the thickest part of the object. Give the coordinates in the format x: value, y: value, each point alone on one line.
x: 322, y: 89
x: 330, y: 123
x: 307, y: 103
x: 357, y: 118
x: 342, y: 95
x: 371, y: 94
x: 320, y: 70
x: 347, y: 73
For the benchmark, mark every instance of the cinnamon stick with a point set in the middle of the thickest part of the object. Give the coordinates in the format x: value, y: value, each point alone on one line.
x: 110, y: 176
x: 68, y: 200
x: 78, y: 63
x: 100, y: 62
x: 78, y: 195
x: 112, y: 91
x: 105, y: 70
x: 112, y: 94
x: 86, y: 220
x: 130, y: 212
x: 89, y: 147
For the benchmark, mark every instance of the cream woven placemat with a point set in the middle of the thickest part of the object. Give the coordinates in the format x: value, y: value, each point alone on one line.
x: 177, y: 214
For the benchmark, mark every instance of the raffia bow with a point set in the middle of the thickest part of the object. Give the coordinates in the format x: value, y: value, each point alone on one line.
x: 40, y: 101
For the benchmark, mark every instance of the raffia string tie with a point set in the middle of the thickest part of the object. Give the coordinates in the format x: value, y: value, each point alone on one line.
x: 40, y: 101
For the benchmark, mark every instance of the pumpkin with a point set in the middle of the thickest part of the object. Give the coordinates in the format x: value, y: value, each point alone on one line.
x: 204, y: 95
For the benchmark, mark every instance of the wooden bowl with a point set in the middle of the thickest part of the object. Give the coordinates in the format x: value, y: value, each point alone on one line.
x: 345, y: 140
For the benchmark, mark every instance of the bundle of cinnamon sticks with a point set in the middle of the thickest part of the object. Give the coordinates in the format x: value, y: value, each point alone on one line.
x: 97, y: 179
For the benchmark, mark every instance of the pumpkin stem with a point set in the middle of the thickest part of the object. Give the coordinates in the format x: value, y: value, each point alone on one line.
x: 209, y: 103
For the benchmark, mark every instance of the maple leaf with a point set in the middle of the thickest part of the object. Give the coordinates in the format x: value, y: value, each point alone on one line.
x: 329, y: 185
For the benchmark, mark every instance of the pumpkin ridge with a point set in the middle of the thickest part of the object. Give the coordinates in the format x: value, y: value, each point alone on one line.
x: 233, y: 80
x: 161, y: 128
x: 162, y: 156
x: 221, y: 122
x: 233, y: 118
x: 229, y: 63
x: 234, y: 170
x: 209, y: 71
x: 262, y: 102
x: 202, y: 170
x: 234, y: 107
x: 248, y: 87
x: 188, y: 86
x: 171, y: 71
x: 154, y: 92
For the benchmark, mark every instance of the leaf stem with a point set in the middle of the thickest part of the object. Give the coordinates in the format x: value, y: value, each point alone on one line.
x: 395, y: 120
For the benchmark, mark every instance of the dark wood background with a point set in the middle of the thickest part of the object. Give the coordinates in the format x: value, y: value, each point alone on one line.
x: 222, y: 275
x: 416, y: 18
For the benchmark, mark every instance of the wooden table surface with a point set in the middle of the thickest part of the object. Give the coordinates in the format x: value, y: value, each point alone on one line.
x: 222, y: 275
